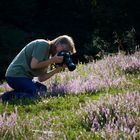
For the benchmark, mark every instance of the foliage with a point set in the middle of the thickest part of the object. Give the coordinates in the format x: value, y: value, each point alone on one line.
x: 92, y: 77
x: 108, y: 112
x: 115, y: 117
x: 23, y: 21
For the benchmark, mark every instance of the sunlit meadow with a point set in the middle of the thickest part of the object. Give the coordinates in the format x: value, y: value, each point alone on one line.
x: 116, y: 117
x: 99, y: 100
x: 92, y: 77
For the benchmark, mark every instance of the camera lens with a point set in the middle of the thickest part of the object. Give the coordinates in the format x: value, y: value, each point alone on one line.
x: 71, y: 67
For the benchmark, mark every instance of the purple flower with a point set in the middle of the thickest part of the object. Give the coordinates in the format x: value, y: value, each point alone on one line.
x: 115, y: 114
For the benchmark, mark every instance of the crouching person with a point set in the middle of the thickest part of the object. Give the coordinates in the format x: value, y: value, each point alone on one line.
x: 33, y: 61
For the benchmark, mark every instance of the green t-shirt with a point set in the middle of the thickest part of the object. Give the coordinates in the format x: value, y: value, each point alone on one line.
x: 20, y: 66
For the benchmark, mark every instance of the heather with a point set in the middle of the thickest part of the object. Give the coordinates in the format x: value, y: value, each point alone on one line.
x: 115, y: 117
x: 106, y: 73
x: 99, y: 100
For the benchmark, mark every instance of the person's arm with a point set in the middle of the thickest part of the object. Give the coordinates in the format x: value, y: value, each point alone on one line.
x: 46, y: 76
x: 36, y: 64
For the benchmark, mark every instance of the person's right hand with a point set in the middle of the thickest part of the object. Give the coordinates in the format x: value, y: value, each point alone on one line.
x: 57, y: 59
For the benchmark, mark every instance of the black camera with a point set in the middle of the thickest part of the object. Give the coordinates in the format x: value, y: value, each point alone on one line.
x: 67, y: 60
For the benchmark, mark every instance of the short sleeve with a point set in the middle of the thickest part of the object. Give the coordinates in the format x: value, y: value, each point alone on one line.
x: 41, y: 50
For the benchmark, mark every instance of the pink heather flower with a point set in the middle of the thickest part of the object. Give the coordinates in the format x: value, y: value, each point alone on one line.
x: 8, y: 121
x: 115, y: 114
x: 92, y: 77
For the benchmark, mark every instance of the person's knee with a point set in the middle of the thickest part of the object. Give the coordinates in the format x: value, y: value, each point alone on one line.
x: 31, y: 90
x: 40, y: 87
x: 43, y: 87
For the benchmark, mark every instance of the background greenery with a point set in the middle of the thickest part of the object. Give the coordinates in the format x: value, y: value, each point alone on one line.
x: 98, y: 101
x: 95, y: 25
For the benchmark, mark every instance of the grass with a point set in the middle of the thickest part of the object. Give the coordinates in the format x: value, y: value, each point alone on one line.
x: 57, y: 117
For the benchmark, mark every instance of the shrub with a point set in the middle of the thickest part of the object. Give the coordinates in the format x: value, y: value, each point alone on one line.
x: 115, y: 117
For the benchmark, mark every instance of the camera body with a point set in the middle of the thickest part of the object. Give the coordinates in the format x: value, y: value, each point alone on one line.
x: 67, y: 60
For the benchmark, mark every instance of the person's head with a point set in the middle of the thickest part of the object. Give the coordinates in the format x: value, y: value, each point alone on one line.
x: 62, y: 43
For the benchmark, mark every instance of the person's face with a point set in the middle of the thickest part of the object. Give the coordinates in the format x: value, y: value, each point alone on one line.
x: 61, y: 47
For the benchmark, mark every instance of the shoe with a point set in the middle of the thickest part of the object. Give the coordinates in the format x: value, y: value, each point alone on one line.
x: 7, y: 96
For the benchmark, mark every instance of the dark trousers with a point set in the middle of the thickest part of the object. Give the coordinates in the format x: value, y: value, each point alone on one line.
x: 25, y: 88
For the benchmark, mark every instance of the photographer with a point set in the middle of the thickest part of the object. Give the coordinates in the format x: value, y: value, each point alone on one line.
x: 33, y: 61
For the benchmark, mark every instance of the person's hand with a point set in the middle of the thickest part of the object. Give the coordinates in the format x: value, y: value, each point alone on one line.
x: 57, y: 59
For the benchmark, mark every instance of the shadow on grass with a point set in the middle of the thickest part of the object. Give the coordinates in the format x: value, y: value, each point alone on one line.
x: 24, y: 98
